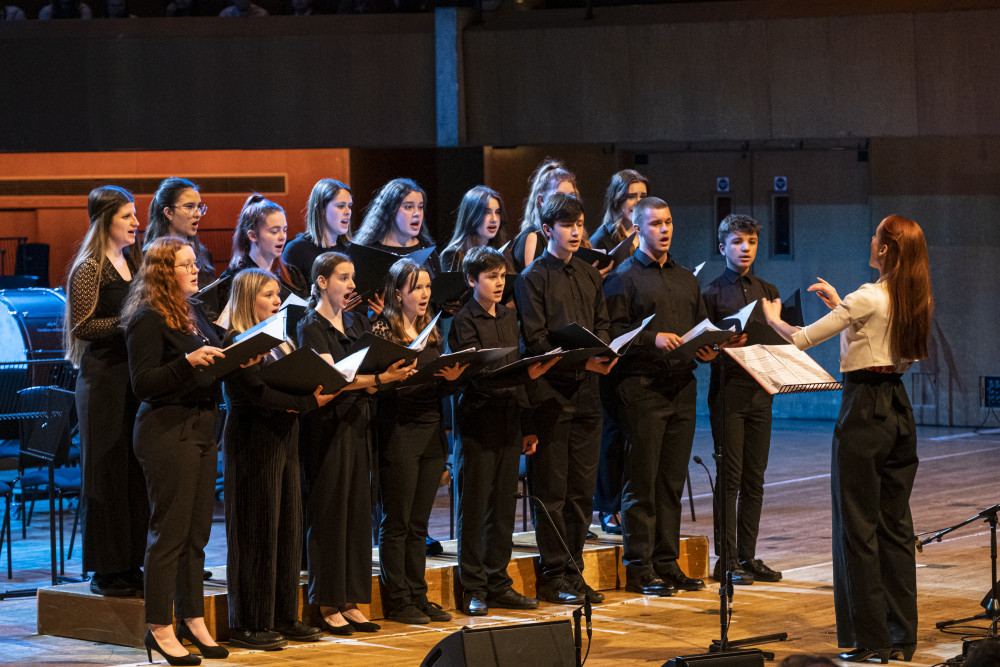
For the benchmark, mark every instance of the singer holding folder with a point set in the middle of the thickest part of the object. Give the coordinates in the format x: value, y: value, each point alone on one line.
x: 262, y: 489
x: 336, y: 456
x: 412, y: 450
x: 884, y: 327
x: 656, y: 397
x: 168, y: 337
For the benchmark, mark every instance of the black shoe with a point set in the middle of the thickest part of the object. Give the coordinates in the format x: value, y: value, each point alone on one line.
x: 676, y: 578
x: 215, y: 652
x: 610, y: 528
x: 297, y: 631
x: 596, y: 597
x: 559, y: 591
x: 902, y: 652
x: 258, y: 640
x: 591, y: 535
x: 344, y: 630
x: 434, y: 612
x: 474, y: 604
x: 136, y: 579
x: 408, y: 613
x: 151, y: 645
x: 740, y: 576
x: 433, y: 547
x: 511, y: 599
x: 760, y: 572
x: 111, y: 586
x: 863, y: 654
x: 649, y: 584
x: 362, y: 626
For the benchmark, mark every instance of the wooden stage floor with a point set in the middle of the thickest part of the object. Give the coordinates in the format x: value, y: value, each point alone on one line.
x: 959, y: 475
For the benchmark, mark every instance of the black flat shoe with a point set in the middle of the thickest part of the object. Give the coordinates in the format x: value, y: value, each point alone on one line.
x: 511, y: 599
x: 112, y: 586
x: 211, y: 652
x: 609, y: 528
x: 558, y: 591
x: 362, y: 626
x: 257, y: 640
x: 339, y: 630
x: 681, y: 581
x: 474, y: 604
x: 596, y: 597
x: 740, y: 576
x: 760, y: 572
x: 649, y: 584
x: 864, y: 654
x: 297, y: 631
x: 151, y: 645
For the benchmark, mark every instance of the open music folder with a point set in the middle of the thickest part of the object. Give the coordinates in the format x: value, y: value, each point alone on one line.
x: 783, y: 369
x: 301, y: 371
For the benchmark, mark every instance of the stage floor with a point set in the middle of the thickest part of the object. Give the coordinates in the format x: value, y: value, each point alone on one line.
x: 958, y: 476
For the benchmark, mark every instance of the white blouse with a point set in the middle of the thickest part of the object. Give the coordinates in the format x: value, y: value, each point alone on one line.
x: 862, y: 320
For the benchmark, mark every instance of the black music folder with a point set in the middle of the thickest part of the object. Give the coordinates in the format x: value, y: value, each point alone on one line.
x: 301, y: 371
x: 254, y: 341
x: 475, y: 358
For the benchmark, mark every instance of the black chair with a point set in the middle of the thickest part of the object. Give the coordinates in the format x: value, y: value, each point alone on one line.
x: 7, y: 493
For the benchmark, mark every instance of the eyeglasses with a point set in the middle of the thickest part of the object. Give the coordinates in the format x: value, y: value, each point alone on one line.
x: 191, y: 207
x: 190, y: 267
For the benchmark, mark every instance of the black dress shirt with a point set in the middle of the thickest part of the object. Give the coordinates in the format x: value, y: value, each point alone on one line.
x: 160, y: 372
x: 317, y: 332
x: 302, y: 251
x: 724, y: 296
x: 296, y: 285
x: 604, y: 238
x: 641, y: 287
x: 473, y: 327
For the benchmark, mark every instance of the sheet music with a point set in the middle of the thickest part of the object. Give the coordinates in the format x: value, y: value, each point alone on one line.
x: 294, y: 300
x: 777, y: 366
x: 627, y: 337
x: 698, y: 268
x: 743, y: 314
x: 420, y: 342
x: 699, y: 329
x: 223, y: 319
x: 349, y: 365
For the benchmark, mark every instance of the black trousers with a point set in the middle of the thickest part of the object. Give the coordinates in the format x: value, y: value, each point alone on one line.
x: 608, y: 492
x: 175, y: 445
x: 336, y: 465
x: 487, y: 458
x: 411, y: 460
x: 115, y: 511
x: 746, y: 421
x: 263, y: 516
x: 874, y: 463
x: 659, y: 419
x: 563, y: 470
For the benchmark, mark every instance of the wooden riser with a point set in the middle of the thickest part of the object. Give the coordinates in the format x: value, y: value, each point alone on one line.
x: 71, y: 610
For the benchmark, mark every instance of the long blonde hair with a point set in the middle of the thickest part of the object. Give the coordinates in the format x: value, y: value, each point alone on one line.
x: 404, y: 274
x: 247, y: 284
x: 103, y: 205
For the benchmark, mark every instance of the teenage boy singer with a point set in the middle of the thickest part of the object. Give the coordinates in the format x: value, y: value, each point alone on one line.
x: 555, y: 291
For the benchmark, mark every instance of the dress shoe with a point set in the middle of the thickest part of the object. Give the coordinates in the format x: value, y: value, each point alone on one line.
x: 511, y: 599
x: 474, y: 604
x: 606, y: 525
x: 408, y: 613
x: 434, y: 612
x: 558, y: 591
x: 676, y: 578
x: 432, y: 547
x: 903, y: 652
x: 149, y: 641
x: 863, y: 655
x: 297, y: 631
x: 209, y: 651
x: 760, y: 572
x: 136, y: 579
x: 596, y: 597
x: 648, y: 584
x: 591, y: 535
x: 362, y: 626
x: 258, y: 640
x: 344, y: 630
x: 740, y: 576
x: 111, y: 586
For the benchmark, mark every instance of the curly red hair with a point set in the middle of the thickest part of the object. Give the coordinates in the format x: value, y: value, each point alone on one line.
x: 155, y: 287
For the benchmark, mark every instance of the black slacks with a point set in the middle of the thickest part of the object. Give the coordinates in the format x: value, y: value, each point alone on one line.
x: 487, y: 458
x: 747, y: 427
x: 263, y: 516
x: 411, y: 460
x: 608, y: 492
x: 115, y: 512
x: 659, y: 419
x: 874, y: 463
x: 175, y: 445
x: 337, y: 465
x: 563, y: 470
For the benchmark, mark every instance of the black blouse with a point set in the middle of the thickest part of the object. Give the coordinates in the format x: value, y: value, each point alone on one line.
x: 302, y: 251
x: 101, y: 327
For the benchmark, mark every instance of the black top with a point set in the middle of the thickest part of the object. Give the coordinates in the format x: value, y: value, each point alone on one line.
x: 298, y: 285
x: 317, y: 332
x: 109, y: 289
x: 245, y: 387
x: 420, y: 404
x: 433, y: 262
x: 517, y: 248
x: 302, y: 251
x: 552, y: 294
x: 604, y: 238
x: 161, y: 375
x: 473, y: 327
x: 641, y: 287
x: 724, y: 296
x: 206, y: 265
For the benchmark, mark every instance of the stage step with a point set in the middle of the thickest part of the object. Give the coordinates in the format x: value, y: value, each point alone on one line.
x: 71, y: 610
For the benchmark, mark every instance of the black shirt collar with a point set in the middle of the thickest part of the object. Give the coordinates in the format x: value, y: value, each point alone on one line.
x: 647, y: 261
x: 734, y: 277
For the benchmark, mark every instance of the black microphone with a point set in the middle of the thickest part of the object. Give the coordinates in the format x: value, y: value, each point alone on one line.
x: 697, y: 459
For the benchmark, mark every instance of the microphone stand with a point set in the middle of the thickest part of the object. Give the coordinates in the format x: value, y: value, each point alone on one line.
x: 585, y: 610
